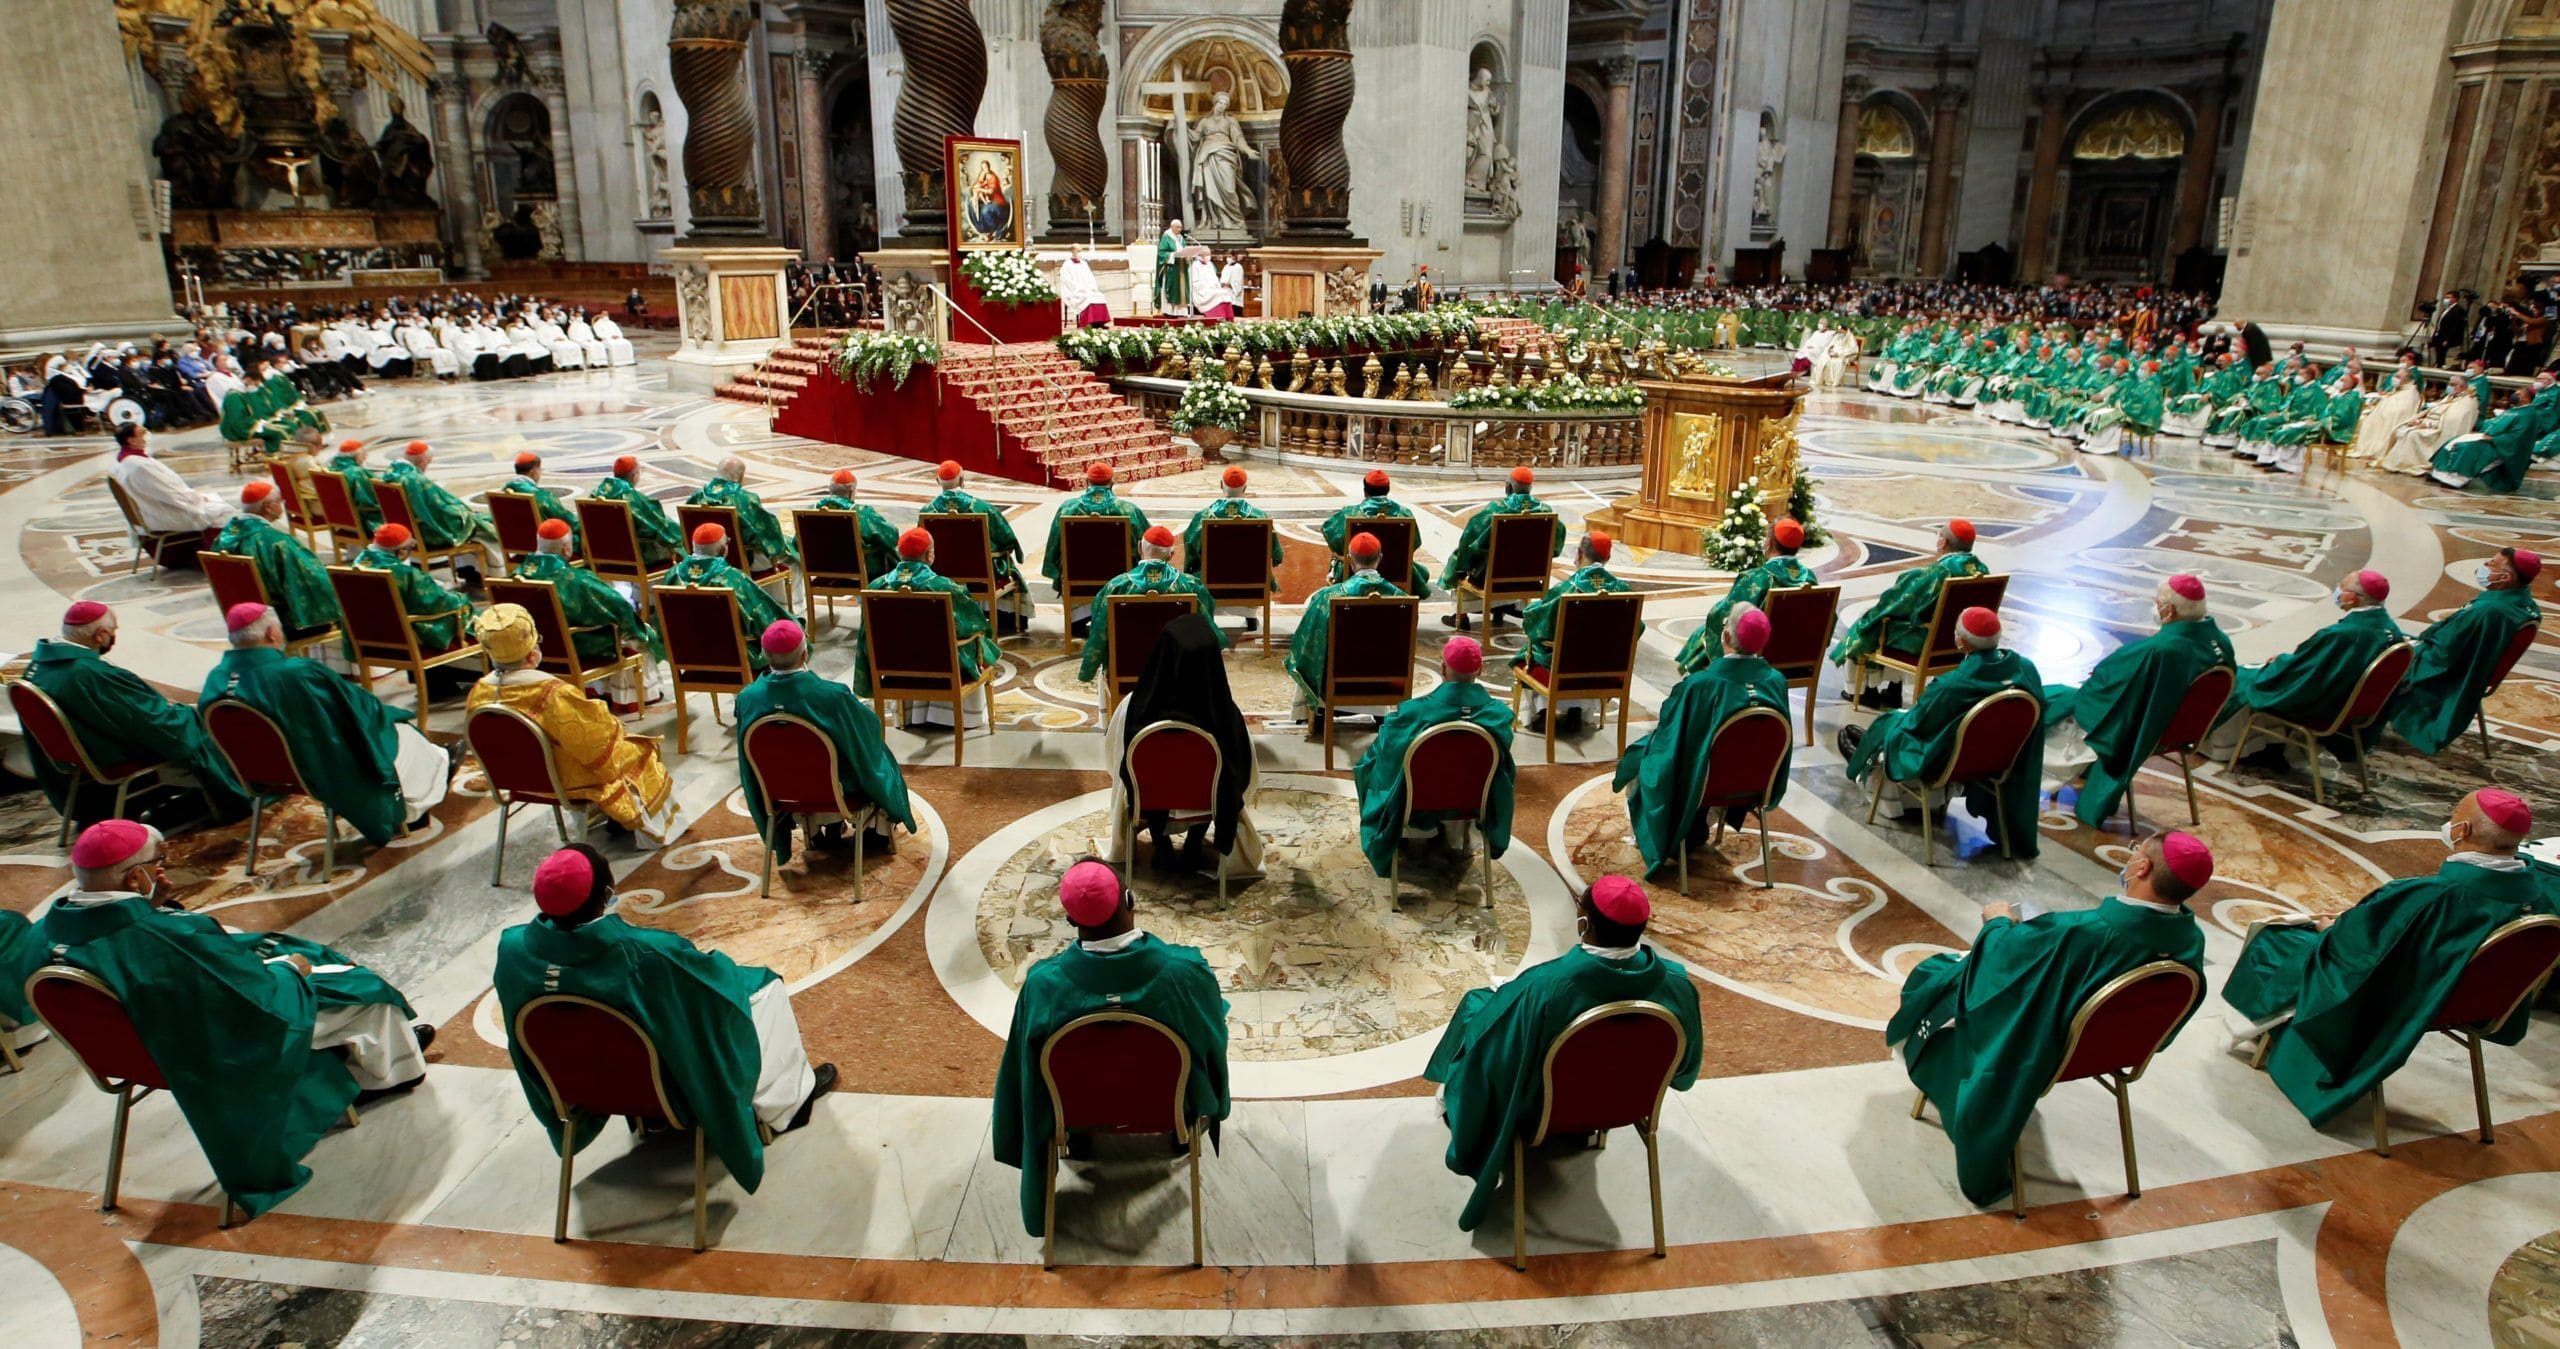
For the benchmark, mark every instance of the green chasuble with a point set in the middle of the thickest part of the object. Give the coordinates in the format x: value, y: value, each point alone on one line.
x: 1094, y: 500
x: 879, y: 537
x: 1000, y: 537
x: 1173, y: 277
x: 1149, y: 577
x: 756, y: 609
x: 2456, y: 658
x: 1982, y: 1034
x: 1900, y: 620
x: 661, y: 538
x: 1225, y: 508
x: 444, y: 520
x: 1915, y: 742
x: 347, y: 752
x: 978, y: 648
x: 121, y: 719
x: 548, y: 505
x: 436, y: 613
x: 590, y: 601
x: 1538, y: 620
x: 230, y: 1031
x: 1491, y: 1059
x: 1662, y: 771
x: 692, y: 1003
x: 359, y: 480
x: 20, y: 952
x: 1466, y: 561
x: 864, y: 765
x: 2142, y: 402
x: 1307, y: 644
x: 297, y: 585
x: 1340, y: 526
x: 764, y: 533
x: 1380, y: 773
x: 287, y: 410
x: 2313, y: 678
x: 2128, y: 701
x: 1750, y: 587
x: 2495, y: 458
x: 2363, y: 989
x: 1170, y: 984
x: 246, y: 417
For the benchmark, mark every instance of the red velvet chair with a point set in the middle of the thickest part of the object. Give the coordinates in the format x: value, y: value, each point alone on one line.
x: 1801, y: 621
x: 2113, y: 1038
x: 339, y: 518
x: 1519, y: 555
x: 301, y: 513
x: 1117, y: 1073
x: 51, y: 735
x: 234, y: 579
x: 1609, y: 1069
x: 378, y: 626
x: 962, y: 552
x: 1368, y: 658
x: 1399, y: 538
x: 1989, y: 740
x: 261, y: 759
x: 2517, y: 645
x: 516, y: 755
x: 831, y: 563
x: 596, y: 1062
x: 1450, y: 767
x: 1939, y: 652
x: 1593, y: 655
x: 519, y: 521
x: 796, y: 768
x: 1174, y: 767
x: 1235, y: 565
x: 393, y: 499
x: 913, y: 641
x: 1092, y: 551
x: 1744, y: 758
x: 2184, y: 736
x: 612, y: 545
x: 2507, y: 971
x: 2363, y: 707
x: 1133, y: 623
x: 691, y: 518
x: 706, y: 648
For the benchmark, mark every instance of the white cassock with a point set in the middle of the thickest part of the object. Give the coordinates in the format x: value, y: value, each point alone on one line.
x: 589, y: 345
x: 523, y: 340
x: 1077, y: 290
x: 2413, y: 449
x: 1831, y: 366
x: 2383, y: 418
x: 785, y: 1078
x: 616, y: 346
x: 1206, y: 293
x: 381, y: 1048
x: 424, y: 770
x: 565, y: 354
x: 336, y: 344
x: 422, y: 346
x: 163, y: 499
x: 219, y: 385
x: 384, y: 348
x: 1246, y: 858
x: 1231, y: 280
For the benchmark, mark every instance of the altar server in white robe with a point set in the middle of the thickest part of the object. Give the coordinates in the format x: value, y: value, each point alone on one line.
x: 2450, y: 417
x: 1209, y: 299
x: 524, y: 340
x: 1231, y: 280
x: 160, y: 496
x: 1080, y: 300
x: 421, y: 345
x: 617, y: 347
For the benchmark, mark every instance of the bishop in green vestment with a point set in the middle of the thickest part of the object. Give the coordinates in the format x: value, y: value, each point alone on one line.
x: 1112, y: 966
x: 2127, y: 702
x: 766, y: 543
x: 437, y: 614
x: 1467, y: 560
x: 1000, y: 536
x: 661, y: 538
x: 1779, y: 571
x: 444, y: 519
x: 865, y: 768
x: 1915, y: 744
x: 1591, y: 576
x: 1491, y: 1060
x: 297, y: 585
x: 1983, y: 1033
x: 547, y: 504
x: 603, y: 624
x: 2344, y: 1002
x: 2312, y: 680
x: 348, y: 463
x: 878, y: 537
x: 1380, y: 777
x: 1662, y: 772
x: 709, y: 566
x: 2458, y: 655
x: 1155, y: 574
x: 2495, y: 457
x: 727, y: 1041
x: 118, y: 717
x: 977, y: 645
x: 1308, y: 645
x: 361, y: 758
x: 21, y: 951
x: 1899, y: 621
x: 1097, y: 498
x: 1230, y: 506
x: 1374, y: 504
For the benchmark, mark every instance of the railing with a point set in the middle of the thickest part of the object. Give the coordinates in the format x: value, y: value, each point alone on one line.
x: 1416, y: 434
x: 1050, y: 380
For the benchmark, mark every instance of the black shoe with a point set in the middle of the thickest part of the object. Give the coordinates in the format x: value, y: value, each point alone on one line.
x: 1537, y: 724
x: 372, y: 1094
x: 468, y: 577
x: 1080, y: 628
x: 2268, y: 759
x: 419, y: 823
x: 879, y: 842
x: 1872, y: 699
x: 831, y: 838
x: 1459, y: 621
x: 1570, y: 723
x: 826, y: 1075
x: 1848, y: 739
x: 426, y: 1036
x: 1252, y: 624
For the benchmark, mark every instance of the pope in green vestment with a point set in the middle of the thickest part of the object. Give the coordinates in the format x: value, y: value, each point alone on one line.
x: 757, y: 610
x: 879, y: 538
x: 1538, y: 620
x: 444, y: 519
x: 1379, y: 774
x: 1000, y: 536
x: 1915, y: 743
x: 692, y: 1003
x: 661, y: 538
x: 2310, y: 681
x: 297, y: 585
x: 1170, y: 984
x: 230, y: 1030
x: 1306, y: 663
x: 1342, y: 524
x: 353, y: 773
x: 764, y: 537
x: 436, y: 613
x: 2362, y: 990
x: 1778, y: 572
x: 977, y: 644
x: 547, y: 504
x: 359, y: 479
x: 1982, y: 1034
x: 2494, y: 458
x: 1096, y: 499
x: 2127, y: 702
x: 1491, y: 1059
x: 1467, y: 560
x: 1661, y: 772
x: 1900, y: 620
x: 2457, y: 656
x: 1152, y: 576
x: 121, y: 719
x: 864, y: 766
x: 591, y: 603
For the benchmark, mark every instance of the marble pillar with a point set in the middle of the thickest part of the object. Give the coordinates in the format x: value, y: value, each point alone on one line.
x: 1844, y: 162
x: 455, y: 177
x: 2035, y: 256
x: 1946, y: 136
x: 817, y: 195
x: 1079, y: 87
x: 1617, y: 130
x: 1315, y: 45
x: 2195, y: 176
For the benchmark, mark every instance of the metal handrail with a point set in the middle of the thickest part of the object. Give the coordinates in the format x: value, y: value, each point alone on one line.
x: 1049, y: 380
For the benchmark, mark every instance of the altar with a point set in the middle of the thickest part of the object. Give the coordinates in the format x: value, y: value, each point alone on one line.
x: 1702, y: 439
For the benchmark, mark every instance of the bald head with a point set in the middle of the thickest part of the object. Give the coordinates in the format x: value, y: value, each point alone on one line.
x: 733, y: 468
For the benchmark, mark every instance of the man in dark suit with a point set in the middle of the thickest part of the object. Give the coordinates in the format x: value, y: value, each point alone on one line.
x: 2444, y: 334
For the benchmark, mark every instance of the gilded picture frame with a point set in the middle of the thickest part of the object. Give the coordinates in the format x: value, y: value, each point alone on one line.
x: 984, y: 186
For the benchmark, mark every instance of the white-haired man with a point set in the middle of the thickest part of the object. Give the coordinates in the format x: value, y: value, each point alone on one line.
x: 120, y: 718
x: 1916, y: 743
x: 2114, y: 719
x: 766, y: 543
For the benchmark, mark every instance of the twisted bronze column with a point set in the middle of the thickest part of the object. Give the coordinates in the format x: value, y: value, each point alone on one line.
x: 1315, y: 43
x: 946, y: 74
x: 1079, y: 83
x: 705, y: 45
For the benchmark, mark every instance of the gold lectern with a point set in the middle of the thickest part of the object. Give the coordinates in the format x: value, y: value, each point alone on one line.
x: 1703, y: 438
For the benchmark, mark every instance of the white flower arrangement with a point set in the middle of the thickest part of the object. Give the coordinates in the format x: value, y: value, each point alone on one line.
x: 1738, y: 541
x: 1564, y: 393
x: 1349, y: 335
x: 1001, y: 277
x: 1211, y: 402
x: 865, y: 356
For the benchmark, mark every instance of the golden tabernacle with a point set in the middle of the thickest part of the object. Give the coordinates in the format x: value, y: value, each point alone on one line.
x: 1703, y: 437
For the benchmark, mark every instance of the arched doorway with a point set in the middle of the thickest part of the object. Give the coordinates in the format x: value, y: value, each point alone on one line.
x: 2125, y: 154
x: 851, y: 204
x: 1884, y: 209
x: 524, y: 185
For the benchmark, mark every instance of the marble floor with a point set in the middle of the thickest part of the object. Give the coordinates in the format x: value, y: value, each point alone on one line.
x: 1803, y: 1205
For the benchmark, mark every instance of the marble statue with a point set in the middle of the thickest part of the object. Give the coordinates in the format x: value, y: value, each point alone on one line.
x: 1767, y: 158
x: 350, y: 167
x: 1577, y: 226
x: 406, y: 158
x: 1220, y: 198
x: 1484, y: 132
x: 653, y: 163
x: 198, y: 158
x: 1505, y: 187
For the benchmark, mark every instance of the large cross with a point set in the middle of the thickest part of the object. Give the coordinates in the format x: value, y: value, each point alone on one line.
x: 1180, y: 88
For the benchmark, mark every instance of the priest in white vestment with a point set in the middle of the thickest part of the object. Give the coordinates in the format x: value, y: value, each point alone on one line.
x: 589, y: 345
x: 160, y: 496
x: 2449, y: 418
x: 2384, y: 416
x: 617, y: 347
x: 1080, y: 299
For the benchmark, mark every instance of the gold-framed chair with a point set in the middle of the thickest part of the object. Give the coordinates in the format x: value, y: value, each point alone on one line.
x: 775, y: 569
x: 392, y: 498
x: 1598, y: 1074
x: 2362, y: 707
x: 832, y: 566
x: 1235, y: 565
x: 1399, y: 538
x: 1368, y: 658
x: 1450, y: 767
x: 1746, y: 758
x: 798, y: 772
x: 235, y: 579
x: 1593, y: 655
x: 1092, y: 1068
x: 964, y: 552
x: 558, y: 641
x: 378, y: 627
x: 2198, y: 708
x: 339, y: 518
x: 1519, y: 555
x: 1174, y: 767
x: 2516, y: 647
x: 518, y: 517
x: 1093, y: 551
x: 706, y: 649
x: 50, y: 733
x: 1131, y: 625
x: 2506, y: 972
x: 1989, y: 739
x: 913, y: 642
x: 1801, y: 621
x: 1940, y: 651
x: 611, y: 540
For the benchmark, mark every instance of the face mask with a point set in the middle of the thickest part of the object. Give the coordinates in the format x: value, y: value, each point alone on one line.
x: 2481, y: 577
x: 2445, y: 832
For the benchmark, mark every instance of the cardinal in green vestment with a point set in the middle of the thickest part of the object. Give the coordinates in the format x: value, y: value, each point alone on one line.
x: 2458, y: 655
x: 444, y: 519
x: 1097, y: 499
x: 1112, y: 966
x: 547, y: 504
x: 977, y: 645
x: 766, y: 543
x: 951, y: 500
x: 2129, y: 699
x: 1662, y: 772
x: 1899, y: 621
x: 709, y: 566
x: 2310, y: 682
x: 297, y: 585
x: 865, y: 769
x: 2344, y: 1002
x: 361, y: 758
x: 602, y: 623
x: 1374, y: 504
x: 1309, y: 645
x: 1380, y: 775
x: 348, y: 463
x: 1154, y: 574
x: 1914, y: 745
x: 1983, y: 1033
x: 878, y: 537
x: 727, y: 1042
x: 1229, y: 506
x: 1467, y: 561
x: 1779, y: 571
x: 435, y: 613
x: 2495, y: 457
x: 119, y: 718
x: 1491, y: 1060
x: 661, y: 538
